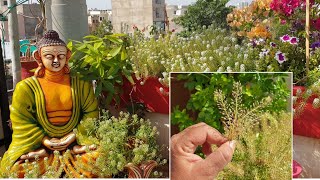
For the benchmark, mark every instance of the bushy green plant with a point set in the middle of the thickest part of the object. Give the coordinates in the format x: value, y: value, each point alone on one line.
x: 103, y: 60
x: 104, y: 28
x: 256, y: 86
x: 121, y: 140
x: 204, y: 13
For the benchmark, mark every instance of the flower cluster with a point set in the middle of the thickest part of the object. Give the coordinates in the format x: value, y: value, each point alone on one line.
x: 285, y: 7
x: 212, y: 49
x: 291, y: 40
x: 251, y: 21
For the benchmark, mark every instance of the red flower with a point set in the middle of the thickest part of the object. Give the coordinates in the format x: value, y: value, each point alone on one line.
x: 173, y: 30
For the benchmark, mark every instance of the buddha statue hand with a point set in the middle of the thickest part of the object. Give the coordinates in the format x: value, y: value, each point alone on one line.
x: 33, y: 154
x: 77, y: 149
x: 59, y: 144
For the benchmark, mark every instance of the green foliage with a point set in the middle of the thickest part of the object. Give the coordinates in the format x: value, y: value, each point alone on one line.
x: 263, y: 150
x: 104, y: 28
x: 104, y: 60
x: 255, y: 87
x: 181, y: 118
x: 263, y: 137
x: 121, y: 140
x: 204, y: 13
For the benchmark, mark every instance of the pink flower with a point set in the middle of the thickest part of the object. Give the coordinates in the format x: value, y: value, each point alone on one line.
x: 294, y: 40
x: 285, y: 38
x: 285, y: 7
x: 283, y: 21
x: 280, y: 57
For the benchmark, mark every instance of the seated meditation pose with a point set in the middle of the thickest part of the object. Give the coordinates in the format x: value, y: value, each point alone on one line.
x: 45, y: 110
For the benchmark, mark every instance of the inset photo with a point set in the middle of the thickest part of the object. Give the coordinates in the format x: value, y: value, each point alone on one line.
x: 231, y: 126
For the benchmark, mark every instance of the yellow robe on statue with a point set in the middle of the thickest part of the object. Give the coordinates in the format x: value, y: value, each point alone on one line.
x: 30, y: 122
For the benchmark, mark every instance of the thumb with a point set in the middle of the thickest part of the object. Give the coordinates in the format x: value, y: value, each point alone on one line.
x: 217, y: 160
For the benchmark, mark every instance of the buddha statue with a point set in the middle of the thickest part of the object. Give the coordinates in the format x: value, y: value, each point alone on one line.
x: 46, y: 108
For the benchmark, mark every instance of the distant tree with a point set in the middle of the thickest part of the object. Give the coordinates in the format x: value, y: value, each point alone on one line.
x: 103, y: 29
x: 204, y: 13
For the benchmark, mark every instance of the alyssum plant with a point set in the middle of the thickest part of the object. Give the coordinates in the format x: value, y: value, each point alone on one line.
x: 264, y: 138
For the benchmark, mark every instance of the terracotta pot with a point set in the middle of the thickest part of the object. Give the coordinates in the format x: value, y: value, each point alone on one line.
x: 297, y: 169
x: 27, y: 66
x: 143, y: 170
x: 149, y: 91
x: 307, y: 123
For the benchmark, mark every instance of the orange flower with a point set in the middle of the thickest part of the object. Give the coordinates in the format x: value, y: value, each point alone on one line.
x: 259, y: 31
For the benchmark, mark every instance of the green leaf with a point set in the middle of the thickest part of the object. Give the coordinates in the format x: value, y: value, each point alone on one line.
x: 124, y: 55
x: 98, y: 45
x: 115, y: 51
x: 101, y: 71
x: 109, y: 86
x: 98, y: 89
x: 113, y: 39
x: 90, y: 37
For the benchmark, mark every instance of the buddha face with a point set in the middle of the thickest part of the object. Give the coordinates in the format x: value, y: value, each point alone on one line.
x: 54, y: 57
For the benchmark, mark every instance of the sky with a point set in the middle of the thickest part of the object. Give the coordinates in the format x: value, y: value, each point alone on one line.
x: 106, y: 4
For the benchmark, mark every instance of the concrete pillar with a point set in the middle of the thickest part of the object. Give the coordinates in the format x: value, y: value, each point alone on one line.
x: 48, y: 14
x: 69, y: 19
x: 14, y: 42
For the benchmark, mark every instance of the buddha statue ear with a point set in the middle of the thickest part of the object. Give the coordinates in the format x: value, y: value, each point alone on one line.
x: 66, y: 67
x: 68, y: 54
x: 40, y: 70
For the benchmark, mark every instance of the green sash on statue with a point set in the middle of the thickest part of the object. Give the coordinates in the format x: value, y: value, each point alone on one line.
x: 29, y: 118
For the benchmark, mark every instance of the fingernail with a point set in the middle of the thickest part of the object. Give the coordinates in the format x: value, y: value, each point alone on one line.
x: 232, y: 144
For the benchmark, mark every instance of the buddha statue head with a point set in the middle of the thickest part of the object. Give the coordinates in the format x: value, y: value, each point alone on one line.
x: 51, y: 54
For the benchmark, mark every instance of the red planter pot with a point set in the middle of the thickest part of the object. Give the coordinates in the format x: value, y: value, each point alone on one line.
x: 26, y: 66
x: 149, y: 91
x: 296, y: 169
x: 308, y: 123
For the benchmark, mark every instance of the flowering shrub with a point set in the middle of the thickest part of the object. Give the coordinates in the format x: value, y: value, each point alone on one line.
x: 285, y: 7
x: 251, y: 21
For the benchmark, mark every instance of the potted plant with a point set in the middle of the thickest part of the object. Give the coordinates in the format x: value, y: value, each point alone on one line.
x: 28, y: 64
x: 103, y: 60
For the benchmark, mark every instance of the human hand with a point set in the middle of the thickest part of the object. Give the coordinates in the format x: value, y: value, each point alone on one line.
x: 187, y: 165
x: 59, y: 144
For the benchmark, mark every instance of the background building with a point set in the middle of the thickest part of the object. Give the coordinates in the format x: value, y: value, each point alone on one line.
x: 28, y: 19
x: 139, y: 13
x: 95, y: 17
x: 174, y: 11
